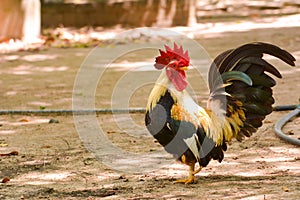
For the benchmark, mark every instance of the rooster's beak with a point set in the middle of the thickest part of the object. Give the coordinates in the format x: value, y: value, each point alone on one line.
x: 184, y: 68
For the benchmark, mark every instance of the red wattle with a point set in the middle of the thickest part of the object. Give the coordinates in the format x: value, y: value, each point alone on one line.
x: 177, y: 78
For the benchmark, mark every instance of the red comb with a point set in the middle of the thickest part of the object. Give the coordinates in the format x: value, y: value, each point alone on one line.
x: 171, y: 54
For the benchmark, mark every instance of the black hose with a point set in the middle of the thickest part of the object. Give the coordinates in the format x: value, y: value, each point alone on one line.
x: 284, y: 107
x: 281, y: 122
x: 70, y: 112
x: 278, y: 126
x: 105, y: 111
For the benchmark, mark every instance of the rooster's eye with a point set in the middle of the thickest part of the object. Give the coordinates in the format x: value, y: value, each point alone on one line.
x: 173, y: 65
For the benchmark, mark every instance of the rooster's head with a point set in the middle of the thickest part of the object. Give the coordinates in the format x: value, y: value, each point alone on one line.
x: 175, y: 61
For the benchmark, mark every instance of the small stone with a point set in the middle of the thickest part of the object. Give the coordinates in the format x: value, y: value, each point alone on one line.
x: 285, y: 189
x: 122, y: 177
x: 53, y: 121
x: 290, y: 132
x: 88, y: 161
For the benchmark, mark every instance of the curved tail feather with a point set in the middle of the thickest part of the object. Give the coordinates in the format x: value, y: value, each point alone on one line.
x: 243, y: 100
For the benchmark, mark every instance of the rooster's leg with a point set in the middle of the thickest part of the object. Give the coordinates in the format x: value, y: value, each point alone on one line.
x: 191, y: 178
x: 197, y: 171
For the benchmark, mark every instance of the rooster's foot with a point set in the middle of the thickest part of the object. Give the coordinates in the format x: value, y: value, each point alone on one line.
x: 189, y: 180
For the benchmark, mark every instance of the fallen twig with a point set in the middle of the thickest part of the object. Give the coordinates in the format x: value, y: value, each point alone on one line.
x: 13, y: 153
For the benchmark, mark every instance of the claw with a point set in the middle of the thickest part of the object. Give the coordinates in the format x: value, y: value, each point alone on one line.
x: 191, y: 178
x: 197, y: 171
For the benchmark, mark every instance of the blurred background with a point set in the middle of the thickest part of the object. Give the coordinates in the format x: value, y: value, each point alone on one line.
x: 44, y: 46
x: 40, y: 21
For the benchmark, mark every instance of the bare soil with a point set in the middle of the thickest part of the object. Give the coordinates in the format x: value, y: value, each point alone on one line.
x: 52, y: 162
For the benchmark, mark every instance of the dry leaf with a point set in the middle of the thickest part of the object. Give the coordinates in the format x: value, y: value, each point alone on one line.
x: 5, y: 180
x: 46, y: 147
x: 13, y: 153
x: 24, y: 120
x: 3, y: 144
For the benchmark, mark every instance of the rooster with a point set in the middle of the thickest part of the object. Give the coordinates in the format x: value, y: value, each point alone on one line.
x: 239, y: 100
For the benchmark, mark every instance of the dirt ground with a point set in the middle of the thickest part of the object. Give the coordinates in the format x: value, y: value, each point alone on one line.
x: 52, y: 162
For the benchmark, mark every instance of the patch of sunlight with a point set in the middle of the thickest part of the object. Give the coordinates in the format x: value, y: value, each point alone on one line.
x: 10, y: 93
x: 29, y: 69
x: 274, y: 159
x: 28, y: 121
x: 230, y: 163
x: 259, y: 197
x: 278, y: 149
x: 138, y: 66
x: 38, y: 182
x: 212, y: 29
x: 51, y: 69
x: 10, y: 57
x: 103, y: 35
x: 23, y: 67
x: 35, y: 162
x: 39, y: 57
x: 53, y: 176
x: 11, y: 45
x: 110, y: 175
x: 73, y: 35
x: 296, y: 54
x: 251, y: 173
x: 39, y: 103
x: 177, y: 195
x: 21, y: 72
x: 108, y: 186
x: 286, y: 166
x: 294, y: 151
x: 176, y: 169
x: 231, y: 155
x: 80, y: 54
x: 290, y: 71
x: 7, y: 132
x: 35, y: 178
x: 285, y: 150
x: 118, y: 197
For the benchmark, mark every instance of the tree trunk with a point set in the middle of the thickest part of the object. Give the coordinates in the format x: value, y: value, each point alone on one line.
x: 147, y: 13
x: 170, y: 17
x: 20, y: 19
x: 192, y: 20
x: 11, y: 23
x: 32, y: 20
x: 165, y: 18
